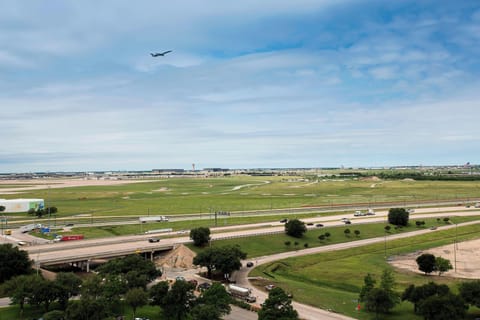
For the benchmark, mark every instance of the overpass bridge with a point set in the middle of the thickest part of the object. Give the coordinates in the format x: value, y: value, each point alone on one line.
x: 82, y: 256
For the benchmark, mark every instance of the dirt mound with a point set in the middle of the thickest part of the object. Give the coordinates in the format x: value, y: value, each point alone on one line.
x: 372, y: 178
x: 180, y: 257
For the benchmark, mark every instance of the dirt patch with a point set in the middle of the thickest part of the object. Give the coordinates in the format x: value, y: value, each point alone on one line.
x: 465, y: 256
x: 37, y: 184
x: 181, y: 257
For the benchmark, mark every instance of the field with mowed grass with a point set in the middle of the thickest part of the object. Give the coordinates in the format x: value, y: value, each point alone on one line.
x: 333, y: 280
x: 238, y: 193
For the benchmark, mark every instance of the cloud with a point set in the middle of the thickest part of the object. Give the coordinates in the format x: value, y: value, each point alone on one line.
x: 315, y: 83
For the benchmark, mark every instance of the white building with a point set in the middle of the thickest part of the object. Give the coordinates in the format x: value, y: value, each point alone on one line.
x: 21, y: 205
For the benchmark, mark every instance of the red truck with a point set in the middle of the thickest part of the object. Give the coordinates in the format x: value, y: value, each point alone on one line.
x: 68, y: 237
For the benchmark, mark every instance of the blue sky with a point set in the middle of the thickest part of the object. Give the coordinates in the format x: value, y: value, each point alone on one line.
x: 273, y: 83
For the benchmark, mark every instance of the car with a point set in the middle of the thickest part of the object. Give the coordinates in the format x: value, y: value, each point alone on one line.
x: 269, y: 287
x: 180, y: 278
x: 310, y: 224
x: 347, y: 222
x: 69, y: 225
x: 284, y: 220
x: 344, y: 219
x: 433, y: 228
x: 319, y: 225
x: 358, y: 214
x: 204, y: 286
x: 249, y: 264
x: 152, y: 240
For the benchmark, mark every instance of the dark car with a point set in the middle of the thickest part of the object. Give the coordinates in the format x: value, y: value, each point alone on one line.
x: 151, y: 240
x: 319, y: 225
x: 348, y: 222
x: 310, y: 224
x: 284, y: 220
x: 69, y: 225
x: 249, y: 264
x: 204, y: 286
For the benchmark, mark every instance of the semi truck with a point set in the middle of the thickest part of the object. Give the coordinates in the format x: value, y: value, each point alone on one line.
x: 30, y: 227
x: 68, y: 237
x: 153, y: 219
x: 241, y: 293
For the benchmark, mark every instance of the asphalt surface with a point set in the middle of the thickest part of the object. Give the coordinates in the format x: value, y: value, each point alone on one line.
x: 43, y: 252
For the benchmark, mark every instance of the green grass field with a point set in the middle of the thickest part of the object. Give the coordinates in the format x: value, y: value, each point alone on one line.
x: 238, y: 193
x: 333, y: 280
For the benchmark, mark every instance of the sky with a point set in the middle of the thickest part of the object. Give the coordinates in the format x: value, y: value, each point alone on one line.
x: 248, y: 84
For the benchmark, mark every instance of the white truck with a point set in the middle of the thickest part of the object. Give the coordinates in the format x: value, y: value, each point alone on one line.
x: 241, y: 293
x: 30, y: 227
x: 153, y: 219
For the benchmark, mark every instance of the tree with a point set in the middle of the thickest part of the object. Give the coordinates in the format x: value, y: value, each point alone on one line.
x: 133, y: 271
x: 122, y: 266
x: 86, y: 308
x: 213, y: 304
x: 295, y: 228
x: 378, y: 301
x: 347, y: 232
x: 321, y: 237
x: 135, y: 298
x: 387, y: 228
x: 442, y: 265
x: 2, y: 208
x: 200, y: 236
x: 68, y: 285
x: 470, y: 292
x: 277, y: 306
x: 446, y: 219
x: 327, y: 235
x: 54, y: 315
x: 229, y: 259
x: 357, y: 232
x: 14, y: 262
x: 158, y: 293
x: 178, y: 301
x: 418, y: 294
x: 42, y: 292
x: 444, y: 307
x: 206, y: 258
x: 426, y: 262
x: 288, y: 243
x: 225, y: 259
x: 369, y: 284
x: 398, y: 216
x: 19, y: 290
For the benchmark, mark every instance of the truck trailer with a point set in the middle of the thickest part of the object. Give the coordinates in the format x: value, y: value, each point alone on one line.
x: 68, y: 237
x: 241, y: 293
x: 153, y: 219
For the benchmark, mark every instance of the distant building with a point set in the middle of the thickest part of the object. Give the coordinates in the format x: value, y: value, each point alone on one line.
x: 21, y: 205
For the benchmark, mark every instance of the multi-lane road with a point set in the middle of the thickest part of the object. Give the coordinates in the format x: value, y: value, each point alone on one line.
x: 98, y: 248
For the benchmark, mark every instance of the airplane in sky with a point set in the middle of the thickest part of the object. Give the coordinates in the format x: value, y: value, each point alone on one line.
x: 160, y: 54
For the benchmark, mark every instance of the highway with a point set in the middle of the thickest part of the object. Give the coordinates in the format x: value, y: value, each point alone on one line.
x: 98, y: 248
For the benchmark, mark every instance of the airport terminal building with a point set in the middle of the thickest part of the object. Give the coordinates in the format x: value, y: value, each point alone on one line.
x: 21, y: 205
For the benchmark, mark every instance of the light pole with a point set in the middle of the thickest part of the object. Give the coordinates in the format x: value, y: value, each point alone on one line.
x: 455, y: 248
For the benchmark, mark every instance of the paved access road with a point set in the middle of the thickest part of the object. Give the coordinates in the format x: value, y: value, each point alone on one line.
x: 305, y: 311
